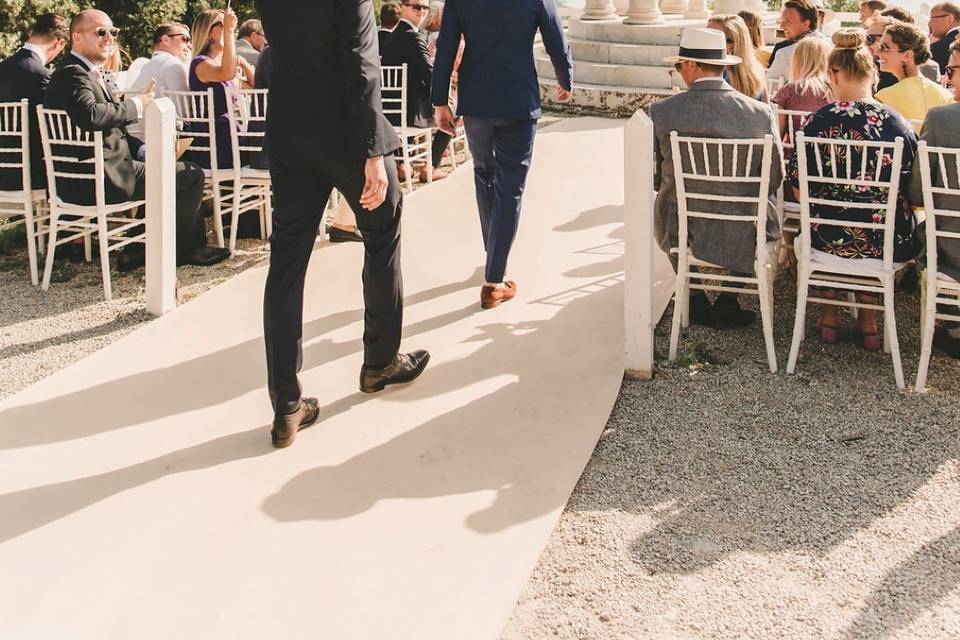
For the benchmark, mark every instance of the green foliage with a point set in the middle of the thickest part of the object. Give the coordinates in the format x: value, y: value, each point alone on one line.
x: 17, y: 18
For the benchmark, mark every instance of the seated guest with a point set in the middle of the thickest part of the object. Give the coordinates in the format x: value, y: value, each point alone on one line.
x: 77, y: 87
x: 798, y: 19
x: 754, y: 22
x: 711, y: 108
x: 809, y: 86
x: 944, y: 24
x: 942, y: 129
x: 930, y: 68
x: 855, y: 116
x: 432, y: 26
x: 875, y: 31
x: 250, y: 41
x: 215, y: 66
x: 746, y: 77
x: 898, y: 13
x: 869, y: 9
x: 406, y: 45
x: 829, y: 24
x: 389, y: 18
x: 25, y: 75
x: 902, y: 49
x: 167, y: 67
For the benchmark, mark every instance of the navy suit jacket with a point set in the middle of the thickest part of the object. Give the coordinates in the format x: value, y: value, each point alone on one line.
x: 497, y: 76
x: 940, y: 50
x: 23, y: 75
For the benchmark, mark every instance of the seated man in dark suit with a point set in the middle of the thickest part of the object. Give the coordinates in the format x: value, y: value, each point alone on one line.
x: 78, y: 88
x: 944, y: 25
x: 406, y: 45
x: 25, y: 75
x: 389, y: 18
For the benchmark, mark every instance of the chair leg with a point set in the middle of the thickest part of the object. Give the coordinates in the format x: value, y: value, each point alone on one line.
x: 407, y: 167
x: 890, y: 326
x: 28, y: 221
x: 685, y: 302
x: 854, y: 311
x: 928, y: 313
x: 268, y: 211
x: 235, y: 215
x: 51, y: 250
x: 766, y: 315
x: 429, y: 167
x: 104, y: 241
x: 217, y: 216
x: 800, y: 321
x: 88, y: 247
x: 680, y: 293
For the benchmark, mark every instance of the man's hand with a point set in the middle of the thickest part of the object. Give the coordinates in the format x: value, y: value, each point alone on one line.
x: 445, y: 120
x: 375, y: 185
x: 147, y: 96
x: 562, y: 94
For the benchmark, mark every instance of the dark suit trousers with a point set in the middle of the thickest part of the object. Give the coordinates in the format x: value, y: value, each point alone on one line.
x: 502, y: 150
x: 191, y: 232
x: 300, y: 195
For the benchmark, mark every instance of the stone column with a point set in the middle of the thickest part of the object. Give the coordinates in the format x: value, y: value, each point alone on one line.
x: 756, y: 5
x: 675, y: 6
x: 643, y: 12
x: 621, y: 6
x: 729, y: 6
x: 697, y: 9
x: 599, y: 10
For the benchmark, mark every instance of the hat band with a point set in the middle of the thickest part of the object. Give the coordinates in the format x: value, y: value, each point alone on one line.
x: 704, y: 54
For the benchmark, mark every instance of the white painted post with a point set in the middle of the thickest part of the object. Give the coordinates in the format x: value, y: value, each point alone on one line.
x: 639, y: 247
x: 161, y: 194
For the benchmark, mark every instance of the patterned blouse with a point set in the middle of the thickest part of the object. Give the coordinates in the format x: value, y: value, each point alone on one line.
x: 859, y: 121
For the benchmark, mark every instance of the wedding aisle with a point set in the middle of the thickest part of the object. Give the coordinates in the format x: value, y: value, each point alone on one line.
x: 140, y: 496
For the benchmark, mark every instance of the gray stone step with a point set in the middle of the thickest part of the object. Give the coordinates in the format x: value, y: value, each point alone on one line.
x: 616, y: 75
x: 667, y: 33
x: 621, y: 53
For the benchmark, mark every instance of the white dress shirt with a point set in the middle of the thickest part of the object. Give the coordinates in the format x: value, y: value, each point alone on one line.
x: 37, y: 51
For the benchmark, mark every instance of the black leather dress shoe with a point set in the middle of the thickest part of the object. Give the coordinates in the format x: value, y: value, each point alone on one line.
x: 699, y: 309
x: 206, y: 256
x: 404, y: 368
x: 339, y: 235
x: 727, y: 313
x: 285, y: 426
x: 133, y: 257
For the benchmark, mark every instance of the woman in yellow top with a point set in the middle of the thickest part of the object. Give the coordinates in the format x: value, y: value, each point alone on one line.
x: 902, y: 49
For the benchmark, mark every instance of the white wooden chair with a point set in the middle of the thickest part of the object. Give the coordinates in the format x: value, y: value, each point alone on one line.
x: 936, y: 287
x: 789, y: 212
x: 699, y: 164
x: 834, y: 164
x: 417, y: 141
x: 73, y: 154
x: 27, y: 205
x: 459, y: 140
x: 774, y: 85
x: 195, y: 111
x: 251, y: 187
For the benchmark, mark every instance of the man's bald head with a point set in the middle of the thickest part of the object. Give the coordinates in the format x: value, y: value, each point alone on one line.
x: 86, y: 17
x: 92, y: 35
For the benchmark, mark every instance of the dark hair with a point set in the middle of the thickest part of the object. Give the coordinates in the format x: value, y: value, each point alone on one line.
x: 899, y: 13
x: 250, y: 27
x: 874, y: 5
x: 807, y: 10
x: 390, y: 15
x: 51, y: 26
x: 908, y: 38
x: 166, y: 29
x: 950, y: 8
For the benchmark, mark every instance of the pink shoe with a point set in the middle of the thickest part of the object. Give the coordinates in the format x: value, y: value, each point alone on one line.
x: 828, y: 335
x: 871, y: 341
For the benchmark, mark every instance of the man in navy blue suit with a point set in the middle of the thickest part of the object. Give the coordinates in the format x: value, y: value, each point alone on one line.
x: 499, y: 98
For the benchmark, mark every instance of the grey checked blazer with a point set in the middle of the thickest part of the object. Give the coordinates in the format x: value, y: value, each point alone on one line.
x: 940, y: 129
x: 713, y: 109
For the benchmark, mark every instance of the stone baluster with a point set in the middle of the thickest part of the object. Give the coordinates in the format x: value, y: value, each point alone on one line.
x: 697, y: 9
x: 621, y: 6
x: 599, y: 10
x: 729, y: 6
x: 643, y: 12
x: 675, y: 6
x: 756, y: 5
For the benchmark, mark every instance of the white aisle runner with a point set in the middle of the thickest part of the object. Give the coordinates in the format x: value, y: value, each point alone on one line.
x: 140, y: 496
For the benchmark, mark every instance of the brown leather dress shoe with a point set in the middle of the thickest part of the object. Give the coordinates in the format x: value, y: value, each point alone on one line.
x: 404, y: 368
x: 490, y: 297
x: 285, y: 426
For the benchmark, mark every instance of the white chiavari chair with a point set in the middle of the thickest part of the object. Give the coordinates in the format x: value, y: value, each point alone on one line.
x: 74, y: 155
x: 700, y: 165
x: 416, y: 141
x: 834, y: 162
x: 251, y: 187
x: 789, y: 212
x: 774, y: 85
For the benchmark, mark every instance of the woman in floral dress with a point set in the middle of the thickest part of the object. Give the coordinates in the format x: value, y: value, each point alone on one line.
x: 856, y: 116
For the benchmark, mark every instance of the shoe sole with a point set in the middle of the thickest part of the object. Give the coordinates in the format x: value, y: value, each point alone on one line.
x: 380, y: 386
x: 283, y: 443
x: 495, y: 303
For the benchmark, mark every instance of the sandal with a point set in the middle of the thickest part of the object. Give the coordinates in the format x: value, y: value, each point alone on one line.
x: 871, y: 341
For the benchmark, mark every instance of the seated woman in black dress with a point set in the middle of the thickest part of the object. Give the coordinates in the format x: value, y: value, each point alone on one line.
x: 856, y: 116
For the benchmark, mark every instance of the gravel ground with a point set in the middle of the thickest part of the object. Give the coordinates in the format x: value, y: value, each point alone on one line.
x: 726, y: 502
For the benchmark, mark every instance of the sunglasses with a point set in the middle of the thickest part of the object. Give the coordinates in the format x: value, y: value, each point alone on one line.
x: 884, y: 47
x: 942, y: 15
x: 183, y: 36
x: 873, y: 37
x: 103, y: 31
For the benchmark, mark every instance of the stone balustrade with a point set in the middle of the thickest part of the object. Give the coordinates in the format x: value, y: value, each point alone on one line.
x: 652, y: 11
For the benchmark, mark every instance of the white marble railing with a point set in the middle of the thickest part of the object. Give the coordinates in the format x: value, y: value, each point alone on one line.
x: 651, y: 11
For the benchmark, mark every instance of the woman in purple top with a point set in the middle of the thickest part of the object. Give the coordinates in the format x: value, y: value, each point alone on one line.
x: 216, y: 66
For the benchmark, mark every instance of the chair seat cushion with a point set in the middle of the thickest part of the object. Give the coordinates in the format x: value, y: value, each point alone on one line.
x: 92, y: 209
x: 255, y: 174
x: 856, y: 266
x: 17, y: 196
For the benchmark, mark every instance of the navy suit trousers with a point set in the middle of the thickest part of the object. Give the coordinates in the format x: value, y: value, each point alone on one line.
x: 502, y: 150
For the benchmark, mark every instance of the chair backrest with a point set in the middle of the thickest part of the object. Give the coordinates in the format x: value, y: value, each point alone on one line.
x: 701, y: 165
x: 940, y: 164
x: 859, y: 167
x: 794, y: 122
x: 15, y: 140
x: 196, y: 111
x: 248, y: 123
x: 70, y: 152
x: 774, y: 85
x: 393, y: 92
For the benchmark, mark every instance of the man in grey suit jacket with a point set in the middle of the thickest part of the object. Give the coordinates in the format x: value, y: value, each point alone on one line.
x: 711, y: 108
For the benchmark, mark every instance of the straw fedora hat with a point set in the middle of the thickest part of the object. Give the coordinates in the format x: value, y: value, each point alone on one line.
x: 704, y: 45
x: 828, y: 14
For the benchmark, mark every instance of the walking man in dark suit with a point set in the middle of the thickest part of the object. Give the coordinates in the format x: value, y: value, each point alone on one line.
x: 499, y: 99
x: 77, y: 87
x: 407, y: 45
x: 327, y: 130
x: 25, y: 75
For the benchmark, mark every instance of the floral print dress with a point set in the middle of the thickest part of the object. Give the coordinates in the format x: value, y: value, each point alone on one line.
x: 859, y: 121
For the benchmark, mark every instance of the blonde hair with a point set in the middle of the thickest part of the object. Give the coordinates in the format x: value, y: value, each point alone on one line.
x: 809, y: 66
x: 754, y: 22
x: 851, y: 58
x: 746, y: 77
x: 202, y: 26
